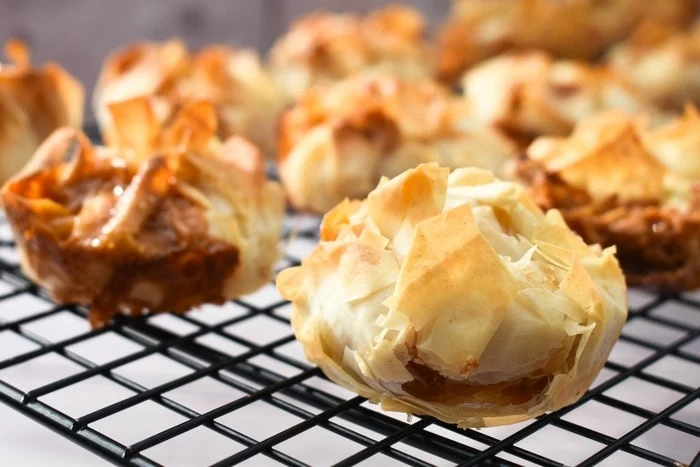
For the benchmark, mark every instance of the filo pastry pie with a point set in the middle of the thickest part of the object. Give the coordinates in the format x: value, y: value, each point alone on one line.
x: 619, y: 181
x: 245, y: 98
x: 579, y: 29
x: 170, y: 219
x: 454, y: 295
x: 530, y: 94
x: 325, y: 47
x: 339, y: 141
x: 663, y: 62
x: 34, y: 101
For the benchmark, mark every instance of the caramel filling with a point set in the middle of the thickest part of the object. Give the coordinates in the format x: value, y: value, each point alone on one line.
x: 430, y: 386
x: 159, y: 258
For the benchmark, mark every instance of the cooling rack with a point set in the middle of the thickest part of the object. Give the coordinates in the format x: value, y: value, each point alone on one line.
x: 233, y: 386
x: 270, y: 406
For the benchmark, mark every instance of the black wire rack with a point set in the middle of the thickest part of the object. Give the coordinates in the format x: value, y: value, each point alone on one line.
x: 246, y: 351
x: 230, y: 383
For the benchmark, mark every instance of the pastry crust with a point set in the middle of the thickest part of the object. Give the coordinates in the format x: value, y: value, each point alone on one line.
x: 323, y: 48
x: 339, y: 141
x: 531, y: 94
x: 619, y: 182
x: 167, y: 220
x: 454, y: 296
x: 33, y: 103
x: 246, y: 99
x: 663, y: 62
x: 479, y: 29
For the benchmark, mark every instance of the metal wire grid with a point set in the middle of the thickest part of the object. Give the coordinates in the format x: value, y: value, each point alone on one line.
x: 247, y: 346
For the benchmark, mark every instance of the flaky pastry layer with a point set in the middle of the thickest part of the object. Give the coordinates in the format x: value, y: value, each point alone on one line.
x: 168, y: 220
x: 453, y: 295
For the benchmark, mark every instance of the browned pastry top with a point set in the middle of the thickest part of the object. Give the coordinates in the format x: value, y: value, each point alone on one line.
x: 160, y: 223
x: 619, y: 182
x: 68, y: 225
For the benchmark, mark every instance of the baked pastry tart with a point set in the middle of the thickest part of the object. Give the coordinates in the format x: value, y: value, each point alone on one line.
x: 453, y: 295
x: 34, y: 101
x: 168, y: 220
x: 531, y: 94
x: 663, y: 62
x: 325, y: 47
x: 578, y: 29
x: 245, y: 98
x: 619, y: 181
x: 337, y: 142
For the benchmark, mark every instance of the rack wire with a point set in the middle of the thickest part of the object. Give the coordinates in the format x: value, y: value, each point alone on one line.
x: 264, y: 404
x: 248, y: 348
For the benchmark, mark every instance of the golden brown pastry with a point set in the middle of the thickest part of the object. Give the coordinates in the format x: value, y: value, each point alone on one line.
x: 618, y: 181
x: 530, y: 94
x: 339, y: 141
x: 662, y: 62
x: 324, y: 47
x: 33, y: 103
x: 453, y: 295
x: 246, y: 100
x: 580, y: 29
x: 170, y: 219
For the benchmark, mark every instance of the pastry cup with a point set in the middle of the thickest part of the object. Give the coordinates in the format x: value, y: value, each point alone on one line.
x: 34, y: 101
x: 619, y: 182
x: 578, y: 29
x: 454, y: 296
x: 531, y: 94
x: 246, y: 100
x: 338, y: 141
x: 663, y: 62
x: 169, y: 219
x: 323, y: 48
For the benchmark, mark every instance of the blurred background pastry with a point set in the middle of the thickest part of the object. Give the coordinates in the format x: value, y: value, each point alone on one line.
x: 338, y: 141
x: 453, y: 295
x: 34, y: 101
x: 579, y: 29
x: 529, y: 94
x: 324, y: 47
x: 246, y: 100
x: 663, y: 62
x: 170, y: 219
